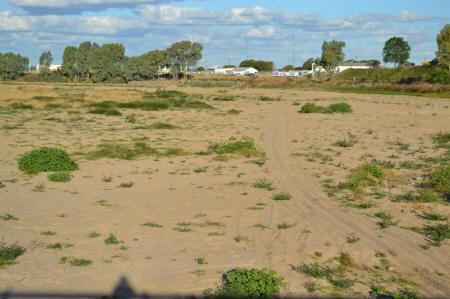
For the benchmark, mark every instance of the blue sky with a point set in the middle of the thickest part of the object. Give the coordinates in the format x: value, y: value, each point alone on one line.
x: 224, y: 27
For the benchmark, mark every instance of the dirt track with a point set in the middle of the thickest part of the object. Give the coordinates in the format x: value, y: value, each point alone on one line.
x: 313, y: 210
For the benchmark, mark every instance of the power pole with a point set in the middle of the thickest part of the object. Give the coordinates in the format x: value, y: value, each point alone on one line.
x: 246, y: 42
x: 293, y: 50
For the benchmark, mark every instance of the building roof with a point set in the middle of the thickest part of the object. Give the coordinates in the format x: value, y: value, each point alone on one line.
x: 243, y: 69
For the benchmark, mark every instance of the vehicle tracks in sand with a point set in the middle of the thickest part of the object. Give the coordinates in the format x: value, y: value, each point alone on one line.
x: 312, y: 210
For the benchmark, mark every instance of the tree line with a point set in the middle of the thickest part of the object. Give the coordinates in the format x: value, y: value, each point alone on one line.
x: 396, y: 50
x: 92, y: 62
x: 13, y: 66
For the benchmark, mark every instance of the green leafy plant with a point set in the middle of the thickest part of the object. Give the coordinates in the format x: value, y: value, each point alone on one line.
x: 282, y: 196
x: 248, y: 283
x: 8, y: 254
x: 152, y: 224
x: 434, y: 216
x: 341, y: 108
x: 264, y: 184
x: 387, y: 219
x: 60, y: 177
x: 46, y: 159
x: 111, y: 240
x: 437, y: 233
x: 348, y: 141
x: 439, y: 180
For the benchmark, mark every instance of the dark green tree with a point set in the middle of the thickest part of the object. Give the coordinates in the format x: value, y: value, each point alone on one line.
x: 396, y: 50
x: 12, y: 66
x: 106, y: 63
x: 307, y: 65
x: 45, y: 61
x: 85, y: 50
x: 260, y: 65
x: 332, y: 54
x: 443, y: 43
x: 288, y: 67
x: 183, y: 55
x: 68, y: 67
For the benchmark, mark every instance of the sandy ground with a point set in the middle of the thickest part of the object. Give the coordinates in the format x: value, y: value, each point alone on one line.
x: 220, y: 203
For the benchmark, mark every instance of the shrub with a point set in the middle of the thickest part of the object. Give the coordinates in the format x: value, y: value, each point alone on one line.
x: 282, y: 196
x: 348, y: 141
x: 422, y: 196
x: 437, y: 233
x: 46, y: 159
x: 368, y: 174
x: 439, y: 180
x: 245, y: 147
x: 8, y: 254
x: 264, y: 184
x: 387, y: 219
x: 341, y: 108
x: 434, y: 216
x: 60, y: 177
x: 253, y: 283
x: 312, y: 108
x: 106, y: 111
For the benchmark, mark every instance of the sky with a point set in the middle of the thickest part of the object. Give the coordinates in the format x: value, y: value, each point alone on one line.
x: 283, y: 31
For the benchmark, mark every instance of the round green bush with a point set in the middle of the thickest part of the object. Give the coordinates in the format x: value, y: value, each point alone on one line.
x: 245, y: 283
x: 46, y: 159
x: 341, y: 108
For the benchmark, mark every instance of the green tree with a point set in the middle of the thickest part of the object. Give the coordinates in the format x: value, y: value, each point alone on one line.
x: 307, y: 65
x: 260, y: 65
x: 332, y: 54
x: 45, y: 61
x: 106, y: 63
x: 81, y: 59
x: 69, y: 60
x: 184, y: 54
x: 396, y: 50
x: 443, y: 43
x: 12, y: 66
x: 288, y: 67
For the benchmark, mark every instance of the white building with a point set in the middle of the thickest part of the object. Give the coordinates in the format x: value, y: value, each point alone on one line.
x: 52, y: 68
x: 244, y: 71
x: 222, y: 70
x: 353, y: 65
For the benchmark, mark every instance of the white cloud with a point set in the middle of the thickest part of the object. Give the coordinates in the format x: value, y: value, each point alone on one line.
x: 261, y: 32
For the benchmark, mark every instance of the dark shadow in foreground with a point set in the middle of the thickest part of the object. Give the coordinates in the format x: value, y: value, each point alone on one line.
x: 123, y: 290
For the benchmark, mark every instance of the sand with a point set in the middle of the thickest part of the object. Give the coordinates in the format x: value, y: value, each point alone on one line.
x: 167, y: 191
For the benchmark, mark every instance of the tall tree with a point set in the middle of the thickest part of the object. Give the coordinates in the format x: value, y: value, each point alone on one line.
x: 107, y: 63
x: 396, y: 50
x: 332, y: 54
x: 12, y: 66
x: 443, y: 43
x: 81, y: 60
x: 68, y: 66
x: 45, y: 61
x: 183, y: 55
x: 307, y: 65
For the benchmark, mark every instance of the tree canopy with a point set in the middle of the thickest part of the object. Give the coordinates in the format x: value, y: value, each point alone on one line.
x: 332, y: 54
x: 12, y: 66
x: 396, y: 50
x: 443, y: 43
x: 260, y: 65
x: 45, y: 61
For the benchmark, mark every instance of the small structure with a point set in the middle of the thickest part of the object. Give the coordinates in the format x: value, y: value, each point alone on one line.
x: 52, y: 68
x: 243, y: 71
x: 222, y: 70
x: 353, y: 65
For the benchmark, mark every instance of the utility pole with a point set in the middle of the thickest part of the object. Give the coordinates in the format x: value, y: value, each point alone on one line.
x: 293, y: 50
x: 246, y: 42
